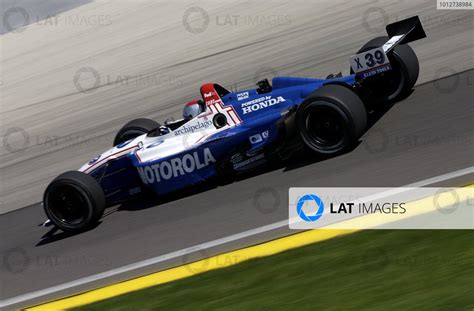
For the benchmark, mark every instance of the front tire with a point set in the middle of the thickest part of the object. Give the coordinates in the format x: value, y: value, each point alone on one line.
x: 74, y: 201
x: 397, y: 83
x: 134, y: 129
x: 331, y: 119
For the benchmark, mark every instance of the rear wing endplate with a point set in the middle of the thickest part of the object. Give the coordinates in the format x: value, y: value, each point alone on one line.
x: 405, y: 31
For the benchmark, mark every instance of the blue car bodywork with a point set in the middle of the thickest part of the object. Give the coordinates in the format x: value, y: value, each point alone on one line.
x: 259, y: 127
x: 234, y: 132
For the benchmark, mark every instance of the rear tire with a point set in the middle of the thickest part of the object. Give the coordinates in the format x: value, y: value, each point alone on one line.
x: 134, y: 129
x: 397, y: 83
x: 331, y: 119
x: 74, y: 201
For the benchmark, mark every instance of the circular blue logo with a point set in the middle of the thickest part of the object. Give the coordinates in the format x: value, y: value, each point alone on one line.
x: 319, y: 203
x: 155, y: 144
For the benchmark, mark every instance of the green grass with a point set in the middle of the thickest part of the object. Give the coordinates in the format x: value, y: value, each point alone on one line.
x: 370, y: 270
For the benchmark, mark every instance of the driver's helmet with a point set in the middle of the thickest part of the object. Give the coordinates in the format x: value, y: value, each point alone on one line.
x: 193, y: 108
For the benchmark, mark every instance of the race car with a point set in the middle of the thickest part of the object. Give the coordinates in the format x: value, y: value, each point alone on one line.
x: 225, y: 133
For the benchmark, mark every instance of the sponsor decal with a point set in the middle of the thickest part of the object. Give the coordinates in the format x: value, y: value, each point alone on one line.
x: 124, y: 143
x: 176, y: 167
x: 260, y: 103
x: 213, y: 101
x: 155, y: 144
x: 185, y: 129
x: 251, y: 153
x: 371, y: 62
x: 134, y: 190
x: 242, y: 96
x: 258, y: 138
x: 255, y: 139
x: 236, y: 158
x: 94, y: 159
x: 248, y: 161
x: 207, y: 95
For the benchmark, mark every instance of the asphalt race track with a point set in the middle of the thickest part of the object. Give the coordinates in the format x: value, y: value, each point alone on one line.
x: 426, y: 135
x: 429, y: 134
x: 70, y: 83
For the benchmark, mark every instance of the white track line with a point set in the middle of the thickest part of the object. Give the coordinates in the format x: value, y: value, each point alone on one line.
x: 192, y: 249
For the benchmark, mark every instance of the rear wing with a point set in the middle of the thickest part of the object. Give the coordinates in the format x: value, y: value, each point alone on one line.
x: 405, y: 31
x: 375, y: 61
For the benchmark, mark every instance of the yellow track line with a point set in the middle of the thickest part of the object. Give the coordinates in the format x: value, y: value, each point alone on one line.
x: 204, y: 265
x: 415, y: 208
x: 223, y: 260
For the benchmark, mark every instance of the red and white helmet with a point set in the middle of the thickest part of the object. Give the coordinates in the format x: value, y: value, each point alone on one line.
x: 193, y: 108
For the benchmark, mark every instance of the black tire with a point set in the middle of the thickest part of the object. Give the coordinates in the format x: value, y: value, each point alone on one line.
x: 74, y: 201
x: 134, y: 129
x: 331, y: 119
x: 397, y: 83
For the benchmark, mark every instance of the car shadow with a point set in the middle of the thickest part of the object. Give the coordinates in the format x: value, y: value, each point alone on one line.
x: 148, y: 200
x: 55, y: 234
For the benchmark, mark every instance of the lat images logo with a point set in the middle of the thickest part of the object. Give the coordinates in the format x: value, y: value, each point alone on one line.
x: 308, y: 199
x: 380, y: 208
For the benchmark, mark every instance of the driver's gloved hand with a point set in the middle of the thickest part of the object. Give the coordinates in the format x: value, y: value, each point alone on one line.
x: 164, y: 130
